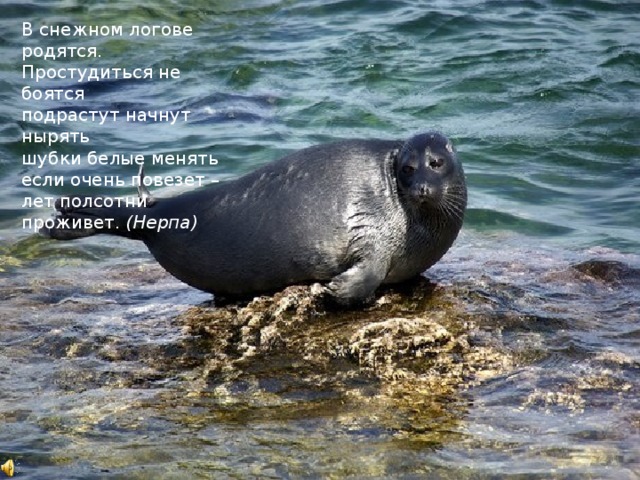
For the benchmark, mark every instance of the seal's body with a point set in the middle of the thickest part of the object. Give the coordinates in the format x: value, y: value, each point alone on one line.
x: 355, y: 214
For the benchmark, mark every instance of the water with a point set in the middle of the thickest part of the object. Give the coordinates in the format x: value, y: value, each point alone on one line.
x: 101, y: 374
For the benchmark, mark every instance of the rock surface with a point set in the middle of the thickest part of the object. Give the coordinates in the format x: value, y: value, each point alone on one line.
x: 415, y: 338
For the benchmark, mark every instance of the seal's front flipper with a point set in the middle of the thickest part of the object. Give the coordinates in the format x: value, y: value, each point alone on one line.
x: 358, y: 284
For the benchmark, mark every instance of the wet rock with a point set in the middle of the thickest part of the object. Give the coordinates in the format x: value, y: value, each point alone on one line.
x: 381, y: 344
x: 414, y: 334
x: 609, y: 271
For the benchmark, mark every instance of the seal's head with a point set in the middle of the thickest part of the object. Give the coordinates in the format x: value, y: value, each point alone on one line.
x: 430, y: 176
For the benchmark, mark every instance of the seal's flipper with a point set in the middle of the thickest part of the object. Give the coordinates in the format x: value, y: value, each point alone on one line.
x: 82, y: 216
x: 143, y: 192
x: 357, y: 284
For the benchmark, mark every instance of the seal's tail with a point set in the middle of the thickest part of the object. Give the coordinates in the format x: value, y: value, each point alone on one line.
x: 82, y: 216
x: 78, y: 217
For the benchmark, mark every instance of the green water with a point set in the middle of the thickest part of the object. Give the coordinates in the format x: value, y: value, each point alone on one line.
x: 541, y: 99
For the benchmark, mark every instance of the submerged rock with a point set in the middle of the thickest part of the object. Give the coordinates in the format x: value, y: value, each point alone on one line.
x: 609, y: 271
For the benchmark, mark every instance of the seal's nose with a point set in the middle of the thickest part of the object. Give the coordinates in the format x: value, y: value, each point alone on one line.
x: 426, y: 191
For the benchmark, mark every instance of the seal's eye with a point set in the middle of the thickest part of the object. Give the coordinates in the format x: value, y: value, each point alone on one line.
x: 436, y: 163
x: 408, y: 169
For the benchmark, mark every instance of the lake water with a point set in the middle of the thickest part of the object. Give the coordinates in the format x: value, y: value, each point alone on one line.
x: 101, y: 376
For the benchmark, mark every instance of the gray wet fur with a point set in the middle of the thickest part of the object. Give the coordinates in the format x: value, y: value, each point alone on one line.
x: 353, y: 214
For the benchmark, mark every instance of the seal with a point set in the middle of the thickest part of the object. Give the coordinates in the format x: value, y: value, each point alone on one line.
x: 353, y: 215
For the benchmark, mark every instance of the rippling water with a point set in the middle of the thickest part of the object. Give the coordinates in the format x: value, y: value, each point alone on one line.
x: 100, y: 377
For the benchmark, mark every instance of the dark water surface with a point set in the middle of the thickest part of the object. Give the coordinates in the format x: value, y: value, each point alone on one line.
x: 103, y: 378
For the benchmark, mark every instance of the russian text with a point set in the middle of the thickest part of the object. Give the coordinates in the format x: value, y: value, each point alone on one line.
x: 142, y: 222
